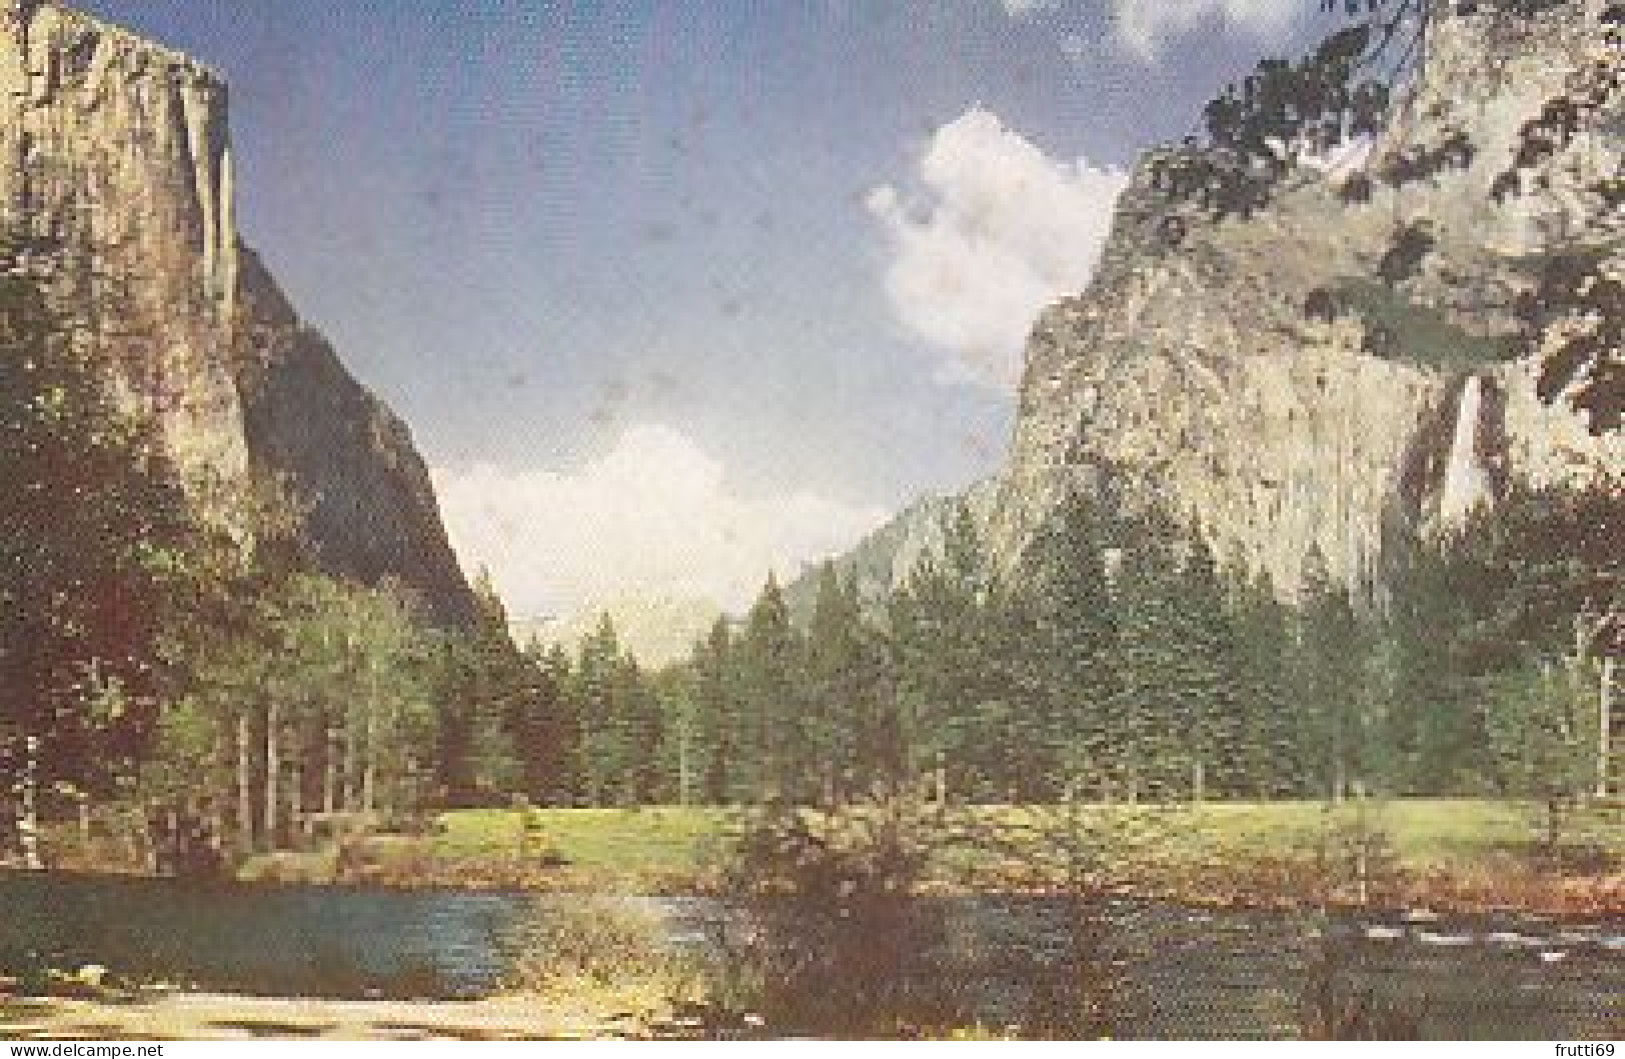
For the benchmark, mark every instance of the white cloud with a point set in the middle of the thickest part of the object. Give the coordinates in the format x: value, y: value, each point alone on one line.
x: 1143, y: 25
x: 656, y: 515
x: 999, y: 231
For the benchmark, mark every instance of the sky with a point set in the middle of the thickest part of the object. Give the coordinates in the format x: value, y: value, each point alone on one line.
x: 673, y: 292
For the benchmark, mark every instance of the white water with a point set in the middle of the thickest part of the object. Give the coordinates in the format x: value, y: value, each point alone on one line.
x: 1465, y: 483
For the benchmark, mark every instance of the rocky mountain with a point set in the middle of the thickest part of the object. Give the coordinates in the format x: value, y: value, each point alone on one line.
x: 115, y: 155
x: 1346, y: 361
x: 882, y: 560
x: 655, y: 630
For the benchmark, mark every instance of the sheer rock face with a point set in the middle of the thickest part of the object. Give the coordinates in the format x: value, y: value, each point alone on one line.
x: 1259, y: 375
x: 116, y: 153
x: 370, y: 510
x: 882, y: 561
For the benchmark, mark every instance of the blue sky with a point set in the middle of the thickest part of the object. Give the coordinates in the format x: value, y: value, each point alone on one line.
x: 672, y: 292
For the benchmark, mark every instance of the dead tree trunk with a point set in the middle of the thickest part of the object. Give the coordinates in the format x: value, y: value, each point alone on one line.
x: 84, y: 830
x: 1339, y: 770
x: 273, y: 770
x: 28, y: 830
x: 330, y: 777
x: 245, y: 787
x: 369, y: 775
x: 1605, y: 693
x: 298, y: 819
x: 351, y: 761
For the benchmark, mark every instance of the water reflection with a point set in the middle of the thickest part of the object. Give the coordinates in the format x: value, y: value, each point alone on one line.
x: 1187, y: 973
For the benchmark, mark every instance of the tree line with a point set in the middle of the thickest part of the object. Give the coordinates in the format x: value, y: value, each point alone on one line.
x: 1122, y: 661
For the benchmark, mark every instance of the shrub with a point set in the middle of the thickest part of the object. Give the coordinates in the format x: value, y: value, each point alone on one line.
x: 832, y: 933
x: 1334, y: 1008
x: 604, y: 952
x: 1411, y: 244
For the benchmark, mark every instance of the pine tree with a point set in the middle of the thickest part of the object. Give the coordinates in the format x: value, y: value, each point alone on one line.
x: 1071, y: 653
x: 1328, y: 679
x: 1144, y: 734
x: 547, y: 736
x: 1208, y: 674
x: 600, y: 693
x: 497, y: 697
x: 1540, y: 722
x: 1270, y: 761
x: 846, y: 690
x: 679, y: 764
x: 949, y: 701
x: 1533, y: 579
x: 643, y: 722
x: 718, y: 716
x: 773, y: 723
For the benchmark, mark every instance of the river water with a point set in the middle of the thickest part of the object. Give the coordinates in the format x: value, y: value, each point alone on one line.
x: 1186, y: 972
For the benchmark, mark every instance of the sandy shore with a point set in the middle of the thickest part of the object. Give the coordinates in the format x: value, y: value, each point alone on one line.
x: 214, y: 1016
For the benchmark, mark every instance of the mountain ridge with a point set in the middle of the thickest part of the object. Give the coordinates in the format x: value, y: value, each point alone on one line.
x: 656, y: 630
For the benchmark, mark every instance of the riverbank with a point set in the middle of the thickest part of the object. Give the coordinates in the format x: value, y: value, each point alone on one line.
x: 1181, y: 973
x: 222, y: 1017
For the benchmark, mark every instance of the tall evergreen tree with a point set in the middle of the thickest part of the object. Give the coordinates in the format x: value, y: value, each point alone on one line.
x: 1269, y: 761
x: 773, y: 724
x: 1076, y: 630
x: 1208, y: 672
x: 948, y: 699
x: 600, y: 698
x: 547, y: 735
x: 1541, y: 718
x: 643, y: 721
x: 1145, y: 733
x: 846, y: 689
x: 1328, y: 679
x: 719, y: 752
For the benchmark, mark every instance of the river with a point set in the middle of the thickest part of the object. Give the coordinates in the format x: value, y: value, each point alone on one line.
x: 1187, y: 972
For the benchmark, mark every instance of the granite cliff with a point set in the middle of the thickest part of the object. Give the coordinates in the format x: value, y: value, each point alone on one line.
x: 115, y: 155
x: 1347, y: 362
x: 885, y: 558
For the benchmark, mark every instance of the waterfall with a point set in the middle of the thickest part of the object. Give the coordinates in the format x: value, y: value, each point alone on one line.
x: 1465, y: 483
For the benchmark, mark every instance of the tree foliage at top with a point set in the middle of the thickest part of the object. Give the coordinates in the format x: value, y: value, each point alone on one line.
x: 1257, y: 129
x: 1578, y: 310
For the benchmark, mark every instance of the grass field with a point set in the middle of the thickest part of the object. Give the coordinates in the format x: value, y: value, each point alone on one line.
x: 1423, y: 833
x: 1456, y: 852
x: 661, y: 840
